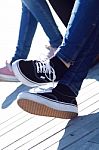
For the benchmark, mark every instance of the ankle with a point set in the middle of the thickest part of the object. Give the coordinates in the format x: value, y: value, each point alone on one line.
x: 65, y: 90
x: 58, y: 66
x: 66, y: 64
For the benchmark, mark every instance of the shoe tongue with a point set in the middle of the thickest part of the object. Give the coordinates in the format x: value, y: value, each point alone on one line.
x: 34, y: 64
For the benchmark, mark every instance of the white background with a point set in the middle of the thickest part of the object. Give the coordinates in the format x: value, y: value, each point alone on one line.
x: 10, y: 15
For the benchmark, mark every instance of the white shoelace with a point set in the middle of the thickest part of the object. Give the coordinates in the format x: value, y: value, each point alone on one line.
x: 44, y: 67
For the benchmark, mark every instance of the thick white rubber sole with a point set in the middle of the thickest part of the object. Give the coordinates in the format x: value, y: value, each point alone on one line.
x: 38, y: 105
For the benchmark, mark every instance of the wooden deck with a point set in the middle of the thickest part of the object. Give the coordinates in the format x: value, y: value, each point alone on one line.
x: 22, y: 131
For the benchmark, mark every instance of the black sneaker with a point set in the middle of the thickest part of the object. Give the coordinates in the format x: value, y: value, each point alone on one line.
x: 35, y: 72
x: 52, y: 104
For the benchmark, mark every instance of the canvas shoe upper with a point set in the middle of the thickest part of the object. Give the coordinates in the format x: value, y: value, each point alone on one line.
x: 35, y: 72
x: 51, y: 104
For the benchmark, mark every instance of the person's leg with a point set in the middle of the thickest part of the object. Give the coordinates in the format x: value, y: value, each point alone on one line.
x: 72, y: 79
x: 79, y: 29
x: 78, y: 34
x: 27, y: 30
x: 61, y: 102
x: 74, y: 76
x: 40, y: 10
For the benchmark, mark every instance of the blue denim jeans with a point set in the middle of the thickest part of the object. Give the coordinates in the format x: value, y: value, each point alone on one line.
x: 81, y: 43
x: 80, y: 28
x: 34, y: 11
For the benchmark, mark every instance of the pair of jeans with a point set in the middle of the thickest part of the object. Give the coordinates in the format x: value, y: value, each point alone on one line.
x: 34, y: 11
x: 81, y: 43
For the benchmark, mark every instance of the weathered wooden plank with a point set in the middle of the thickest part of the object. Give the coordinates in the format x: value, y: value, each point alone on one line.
x: 88, y: 88
x: 93, y: 99
x: 89, y: 109
x: 39, y: 135
x: 52, y: 136
x: 86, y: 94
x: 83, y: 143
x: 89, y: 146
x: 95, y: 139
x: 78, y: 136
x: 22, y: 128
x: 55, y: 138
x: 75, y: 125
x: 73, y: 128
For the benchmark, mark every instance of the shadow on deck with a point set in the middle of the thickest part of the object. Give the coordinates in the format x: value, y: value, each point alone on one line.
x: 22, y: 131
